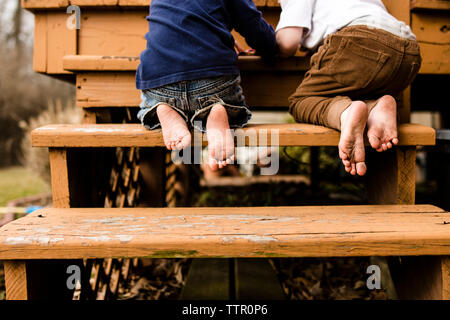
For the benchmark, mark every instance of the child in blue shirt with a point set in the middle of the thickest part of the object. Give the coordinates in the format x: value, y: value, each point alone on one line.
x: 188, y: 73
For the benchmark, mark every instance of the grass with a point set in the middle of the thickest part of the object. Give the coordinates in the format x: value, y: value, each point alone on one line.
x: 15, y: 183
x: 19, y: 182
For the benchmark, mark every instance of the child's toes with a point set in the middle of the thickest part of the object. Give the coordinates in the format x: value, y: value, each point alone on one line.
x: 395, y: 141
x: 346, y: 163
x: 361, y: 168
x: 353, y: 169
x: 374, y: 142
x: 213, y: 165
x: 230, y: 159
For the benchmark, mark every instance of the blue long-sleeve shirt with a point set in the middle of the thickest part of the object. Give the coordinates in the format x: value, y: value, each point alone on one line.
x: 191, y: 39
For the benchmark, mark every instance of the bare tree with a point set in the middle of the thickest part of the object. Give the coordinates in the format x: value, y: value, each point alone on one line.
x: 17, y: 28
x: 23, y: 93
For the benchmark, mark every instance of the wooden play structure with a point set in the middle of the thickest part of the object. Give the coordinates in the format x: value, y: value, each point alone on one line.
x: 117, y: 197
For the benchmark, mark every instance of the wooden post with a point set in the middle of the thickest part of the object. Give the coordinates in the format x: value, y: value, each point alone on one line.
x: 421, y: 278
x: 152, y: 164
x: 38, y: 279
x: 391, y: 180
x: 391, y: 176
x: 60, y: 177
x: 15, y: 280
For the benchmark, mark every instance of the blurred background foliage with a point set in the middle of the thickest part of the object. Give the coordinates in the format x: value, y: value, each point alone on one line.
x: 24, y: 94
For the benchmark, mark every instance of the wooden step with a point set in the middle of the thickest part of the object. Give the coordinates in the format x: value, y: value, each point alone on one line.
x: 47, y: 4
x: 430, y: 5
x: 78, y: 63
x: 320, y: 231
x: 135, y: 135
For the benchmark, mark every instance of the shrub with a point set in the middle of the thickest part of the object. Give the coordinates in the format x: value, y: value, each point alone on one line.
x: 37, y: 158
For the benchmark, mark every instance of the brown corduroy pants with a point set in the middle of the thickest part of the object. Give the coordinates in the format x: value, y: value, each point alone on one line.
x: 355, y: 63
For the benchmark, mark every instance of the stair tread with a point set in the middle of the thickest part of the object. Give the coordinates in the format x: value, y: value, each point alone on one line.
x: 135, y: 135
x: 309, y: 231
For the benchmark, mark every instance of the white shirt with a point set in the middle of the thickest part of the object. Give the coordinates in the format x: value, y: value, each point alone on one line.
x: 319, y: 18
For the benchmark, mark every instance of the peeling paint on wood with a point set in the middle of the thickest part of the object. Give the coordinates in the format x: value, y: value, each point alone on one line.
x: 294, y: 231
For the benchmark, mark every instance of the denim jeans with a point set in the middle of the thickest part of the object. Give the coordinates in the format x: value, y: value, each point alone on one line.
x: 194, y: 99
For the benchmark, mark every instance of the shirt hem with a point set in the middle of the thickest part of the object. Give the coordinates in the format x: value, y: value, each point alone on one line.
x: 185, y: 76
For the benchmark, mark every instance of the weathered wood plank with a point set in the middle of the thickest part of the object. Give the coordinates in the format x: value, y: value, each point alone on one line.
x: 135, y: 135
x: 40, y: 43
x: 118, y: 89
x: 431, y: 27
x: 45, y: 4
x: 61, y: 41
x: 321, y: 231
x: 418, y: 5
x: 431, y: 65
x: 130, y: 63
x: 118, y: 33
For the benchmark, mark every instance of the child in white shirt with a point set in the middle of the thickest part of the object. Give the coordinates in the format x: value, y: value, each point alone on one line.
x: 365, y: 57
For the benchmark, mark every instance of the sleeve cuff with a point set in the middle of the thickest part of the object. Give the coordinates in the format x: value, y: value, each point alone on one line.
x: 296, y: 13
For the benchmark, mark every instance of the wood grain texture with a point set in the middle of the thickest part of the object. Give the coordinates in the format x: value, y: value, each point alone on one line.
x: 431, y: 65
x: 40, y: 43
x: 130, y: 63
x: 406, y: 175
x: 430, y: 5
x: 321, y: 231
x: 118, y: 33
x: 431, y: 29
x: 61, y: 41
x: 391, y: 178
x: 60, y: 177
x: 45, y: 4
x: 15, y: 280
x: 135, y: 135
x: 445, y: 270
x: 266, y: 88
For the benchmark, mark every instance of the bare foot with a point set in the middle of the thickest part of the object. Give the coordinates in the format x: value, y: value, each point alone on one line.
x: 382, y: 124
x: 220, y: 139
x: 176, y: 134
x: 351, y: 143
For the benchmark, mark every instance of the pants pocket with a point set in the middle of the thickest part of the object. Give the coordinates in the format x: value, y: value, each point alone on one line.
x: 356, y: 65
x: 415, y: 66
